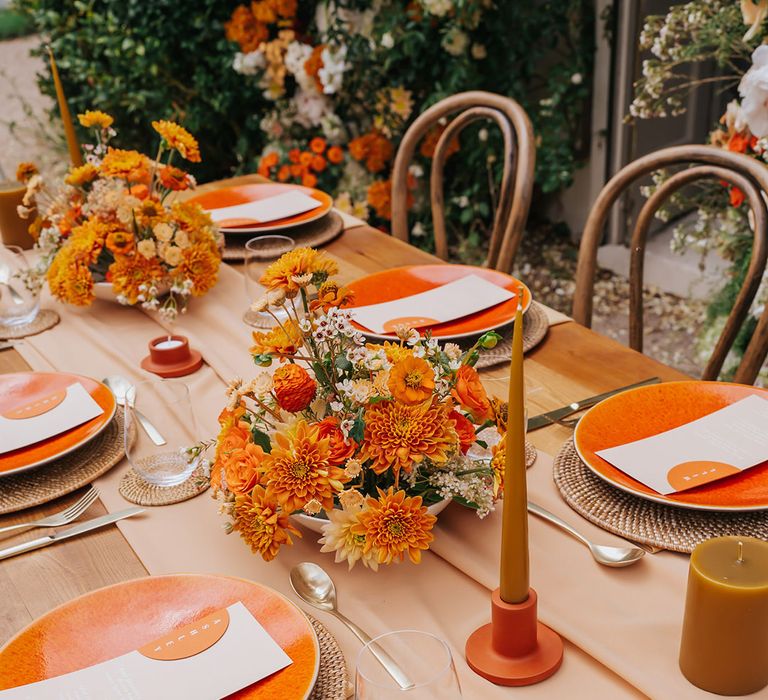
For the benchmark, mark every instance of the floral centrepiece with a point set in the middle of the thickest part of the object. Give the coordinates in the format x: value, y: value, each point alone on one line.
x: 113, y: 221
x: 365, y: 436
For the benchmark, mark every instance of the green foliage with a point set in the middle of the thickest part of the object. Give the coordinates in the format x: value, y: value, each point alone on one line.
x: 14, y: 24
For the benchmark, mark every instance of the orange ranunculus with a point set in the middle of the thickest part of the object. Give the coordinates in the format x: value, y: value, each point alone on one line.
x: 341, y: 448
x: 308, y: 180
x: 411, y: 380
x: 464, y: 429
x: 140, y: 191
x: 317, y: 145
x: 330, y: 294
x: 245, y: 29
x: 241, y: 467
x: 318, y: 164
x: 335, y: 155
x: 294, y: 388
x: 470, y: 393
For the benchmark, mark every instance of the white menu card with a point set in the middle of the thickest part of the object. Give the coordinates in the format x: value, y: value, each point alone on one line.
x: 211, y: 658
x: 718, y: 445
x: 281, y: 206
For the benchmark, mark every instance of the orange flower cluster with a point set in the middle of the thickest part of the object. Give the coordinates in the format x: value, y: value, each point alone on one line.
x: 429, y: 143
x: 249, y: 24
x: 295, y: 264
x: 313, y: 65
x: 301, y: 166
x: 374, y: 149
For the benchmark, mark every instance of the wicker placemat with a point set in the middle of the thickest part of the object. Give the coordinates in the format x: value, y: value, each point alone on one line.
x: 66, y: 474
x: 134, y: 489
x: 647, y: 522
x: 332, y: 680
x: 313, y: 234
x: 535, y: 327
x: 530, y: 454
x: 47, y: 318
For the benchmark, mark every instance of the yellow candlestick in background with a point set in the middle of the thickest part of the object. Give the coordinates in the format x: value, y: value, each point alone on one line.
x: 69, y: 130
x: 514, y: 525
x: 724, y: 648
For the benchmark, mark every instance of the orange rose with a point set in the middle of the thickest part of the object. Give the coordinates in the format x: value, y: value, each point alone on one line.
x: 241, y: 468
x: 464, y: 429
x: 294, y: 388
x: 341, y: 449
x: 335, y: 155
x: 470, y: 393
x: 317, y: 145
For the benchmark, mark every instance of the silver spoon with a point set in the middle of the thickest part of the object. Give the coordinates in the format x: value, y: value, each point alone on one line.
x: 120, y: 387
x: 603, y: 554
x: 5, y: 276
x: 315, y: 587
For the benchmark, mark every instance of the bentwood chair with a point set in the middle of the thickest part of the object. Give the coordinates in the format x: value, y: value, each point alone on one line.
x: 741, y: 171
x: 517, y: 175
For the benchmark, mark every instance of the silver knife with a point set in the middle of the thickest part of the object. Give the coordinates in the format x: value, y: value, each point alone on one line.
x: 550, y: 417
x: 87, y: 526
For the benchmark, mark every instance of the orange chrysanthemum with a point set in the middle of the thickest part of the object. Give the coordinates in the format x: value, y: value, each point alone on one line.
x: 411, y: 380
x: 298, y: 469
x: 128, y: 272
x: 341, y: 448
x: 245, y: 29
x: 120, y: 242
x: 77, y: 177
x: 285, y: 8
x: 95, y: 118
x: 261, y: 524
x: 296, y: 263
x: 70, y: 280
x: 335, y: 155
x: 173, y: 178
x: 128, y: 165
x: 200, y: 264
x: 264, y: 11
x: 395, y: 525
x: 398, y: 436
x: 26, y: 171
x: 379, y: 196
x: 280, y: 340
x: 317, y: 145
x: 498, y: 464
x: 294, y: 388
x: 179, y: 139
x: 191, y: 217
x: 374, y: 149
x: 331, y: 294
x: 394, y: 351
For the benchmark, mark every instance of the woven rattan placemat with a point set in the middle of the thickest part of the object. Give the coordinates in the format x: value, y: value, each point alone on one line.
x: 535, y: 327
x: 332, y: 680
x: 66, y: 474
x: 647, y: 522
x: 134, y: 489
x: 313, y: 234
x: 46, y: 319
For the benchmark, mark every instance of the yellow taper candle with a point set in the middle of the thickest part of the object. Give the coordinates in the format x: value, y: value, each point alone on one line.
x: 69, y: 130
x: 514, y: 582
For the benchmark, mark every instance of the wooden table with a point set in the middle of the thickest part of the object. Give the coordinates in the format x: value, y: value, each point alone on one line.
x: 571, y: 363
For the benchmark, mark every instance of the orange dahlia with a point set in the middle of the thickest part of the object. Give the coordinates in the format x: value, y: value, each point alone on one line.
x: 298, y: 469
x: 281, y: 340
x: 397, y: 435
x: 128, y: 272
x: 200, y: 264
x: 411, y: 380
x: 179, y: 139
x: 395, y: 525
x: 77, y: 177
x: 331, y: 294
x: 341, y: 448
x: 464, y: 429
x: 261, y: 524
x: 294, y: 388
x: 296, y: 263
x: 128, y: 165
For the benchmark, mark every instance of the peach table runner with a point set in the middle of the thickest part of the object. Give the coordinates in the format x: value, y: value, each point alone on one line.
x: 620, y: 624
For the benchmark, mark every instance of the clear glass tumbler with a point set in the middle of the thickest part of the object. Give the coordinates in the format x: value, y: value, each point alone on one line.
x: 165, y: 406
x: 19, y: 290
x: 259, y: 253
x: 424, y: 659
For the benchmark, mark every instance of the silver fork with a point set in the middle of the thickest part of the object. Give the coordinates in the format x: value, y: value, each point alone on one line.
x: 61, y: 518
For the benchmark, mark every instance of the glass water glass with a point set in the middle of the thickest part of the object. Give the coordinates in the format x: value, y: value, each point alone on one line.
x: 19, y: 291
x: 165, y: 406
x: 259, y: 253
x: 424, y: 659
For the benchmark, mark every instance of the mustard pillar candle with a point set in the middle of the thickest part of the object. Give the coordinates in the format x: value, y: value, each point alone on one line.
x: 514, y: 580
x: 724, y: 646
x: 69, y: 130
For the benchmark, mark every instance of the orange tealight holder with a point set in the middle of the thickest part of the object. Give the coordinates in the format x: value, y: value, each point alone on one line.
x: 170, y: 356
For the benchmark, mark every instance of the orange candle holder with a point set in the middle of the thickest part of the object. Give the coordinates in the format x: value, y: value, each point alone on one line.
x: 514, y: 648
x: 170, y: 356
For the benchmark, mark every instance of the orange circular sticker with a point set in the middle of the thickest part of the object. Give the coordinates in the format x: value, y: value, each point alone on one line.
x: 686, y: 475
x: 188, y: 640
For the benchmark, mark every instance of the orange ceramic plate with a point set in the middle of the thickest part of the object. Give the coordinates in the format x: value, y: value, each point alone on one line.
x: 650, y: 410
x: 24, y: 387
x: 115, y: 620
x: 230, y: 196
x: 400, y: 282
